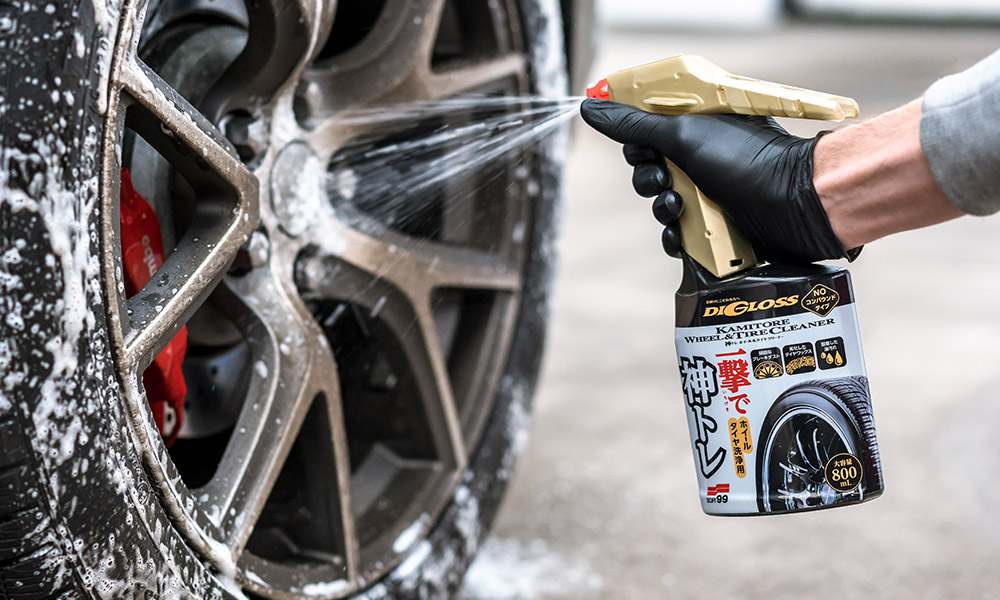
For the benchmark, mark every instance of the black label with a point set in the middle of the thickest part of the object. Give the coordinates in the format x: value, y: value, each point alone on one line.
x: 761, y: 295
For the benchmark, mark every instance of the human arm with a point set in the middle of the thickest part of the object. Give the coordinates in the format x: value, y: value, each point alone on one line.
x: 926, y: 162
x: 873, y: 179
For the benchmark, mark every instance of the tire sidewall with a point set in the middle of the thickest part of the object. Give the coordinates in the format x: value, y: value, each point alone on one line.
x: 804, y: 395
x: 104, y: 533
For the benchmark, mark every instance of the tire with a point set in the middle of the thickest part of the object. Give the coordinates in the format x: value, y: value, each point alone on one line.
x: 834, y: 416
x: 86, y: 507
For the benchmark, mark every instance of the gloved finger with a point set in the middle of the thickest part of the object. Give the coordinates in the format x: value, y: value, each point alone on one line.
x: 636, y: 155
x: 667, y: 207
x: 671, y: 240
x: 627, y: 125
x: 650, y: 179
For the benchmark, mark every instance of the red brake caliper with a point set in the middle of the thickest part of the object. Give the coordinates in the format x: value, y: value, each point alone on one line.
x: 142, y: 253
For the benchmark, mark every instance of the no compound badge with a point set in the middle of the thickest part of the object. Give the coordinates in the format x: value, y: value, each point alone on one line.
x: 820, y: 300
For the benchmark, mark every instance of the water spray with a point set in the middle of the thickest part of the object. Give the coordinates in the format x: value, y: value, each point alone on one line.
x: 398, y: 176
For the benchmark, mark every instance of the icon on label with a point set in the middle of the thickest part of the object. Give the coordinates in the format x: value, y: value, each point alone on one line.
x: 843, y: 472
x: 799, y: 358
x: 820, y: 300
x: 766, y: 363
x: 831, y: 353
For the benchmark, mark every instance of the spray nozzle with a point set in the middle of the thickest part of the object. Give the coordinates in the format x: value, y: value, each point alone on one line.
x: 599, y: 90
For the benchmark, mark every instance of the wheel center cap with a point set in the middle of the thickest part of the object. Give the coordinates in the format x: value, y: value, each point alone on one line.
x: 298, y: 188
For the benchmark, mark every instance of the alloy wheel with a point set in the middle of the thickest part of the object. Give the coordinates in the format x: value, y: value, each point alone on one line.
x: 796, y: 453
x: 346, y: 338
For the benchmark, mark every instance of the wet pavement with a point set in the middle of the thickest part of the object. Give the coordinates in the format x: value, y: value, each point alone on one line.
x: 605, y: 502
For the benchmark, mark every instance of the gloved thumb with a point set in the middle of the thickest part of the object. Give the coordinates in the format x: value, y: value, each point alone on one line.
x: 624, y: 124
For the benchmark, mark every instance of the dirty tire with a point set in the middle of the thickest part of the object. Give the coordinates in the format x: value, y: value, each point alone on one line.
x: 843, y: 403
x: 78, y: 515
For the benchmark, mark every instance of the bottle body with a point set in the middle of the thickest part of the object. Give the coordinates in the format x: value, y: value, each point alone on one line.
x: 775, y: 390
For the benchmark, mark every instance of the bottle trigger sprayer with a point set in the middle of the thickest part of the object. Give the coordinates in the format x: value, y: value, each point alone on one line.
x: 772, y: 370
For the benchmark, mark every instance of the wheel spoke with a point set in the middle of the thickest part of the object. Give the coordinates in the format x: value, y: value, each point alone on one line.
x: 802, y: 452
x: 179, y: 118
x: 816, y: 448
x: 292, y: 367
x: 457, y: 268
x: 226, y: 212
x: 423, y: 84
x: 410, y: 319
x: 794, y: 470
x: 474, y: 76
x: 282, y: 38
x: 399, y: 44
x: 417, y: 267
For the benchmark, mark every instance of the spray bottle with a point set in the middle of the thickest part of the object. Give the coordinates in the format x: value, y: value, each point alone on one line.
x: 772, y: 369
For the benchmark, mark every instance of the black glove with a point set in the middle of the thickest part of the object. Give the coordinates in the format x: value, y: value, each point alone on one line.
x: 759, y: 174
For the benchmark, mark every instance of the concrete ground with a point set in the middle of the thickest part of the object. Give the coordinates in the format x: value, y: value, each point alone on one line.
x: 605, y: 503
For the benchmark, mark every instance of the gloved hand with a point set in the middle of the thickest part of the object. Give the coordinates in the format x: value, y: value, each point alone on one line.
x: 759, y: 174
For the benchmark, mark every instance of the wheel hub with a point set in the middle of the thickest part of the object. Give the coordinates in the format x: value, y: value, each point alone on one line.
x: 297, y: 187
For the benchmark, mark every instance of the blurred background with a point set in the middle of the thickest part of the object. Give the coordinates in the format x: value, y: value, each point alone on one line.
x: 605, y: 502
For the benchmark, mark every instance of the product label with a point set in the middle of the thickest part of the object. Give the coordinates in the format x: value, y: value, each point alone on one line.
x: 778, y: 406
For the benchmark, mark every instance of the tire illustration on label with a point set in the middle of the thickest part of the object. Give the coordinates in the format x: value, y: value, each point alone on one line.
x: 808, y: 425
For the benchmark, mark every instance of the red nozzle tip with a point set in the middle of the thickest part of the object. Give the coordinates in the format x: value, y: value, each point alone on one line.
x: 599, y: 90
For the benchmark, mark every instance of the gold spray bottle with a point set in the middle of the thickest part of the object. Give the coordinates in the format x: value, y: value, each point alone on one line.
x: 772, y: 370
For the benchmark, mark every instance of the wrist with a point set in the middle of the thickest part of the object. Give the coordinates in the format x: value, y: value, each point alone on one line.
x: 822, y: 239
x: 873, y: 179
x: 834, y: 182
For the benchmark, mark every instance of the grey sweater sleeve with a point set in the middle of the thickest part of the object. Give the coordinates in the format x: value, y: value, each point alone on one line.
x: 960, y: 136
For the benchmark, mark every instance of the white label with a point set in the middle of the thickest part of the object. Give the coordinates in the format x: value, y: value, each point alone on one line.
x: 732, y: 376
